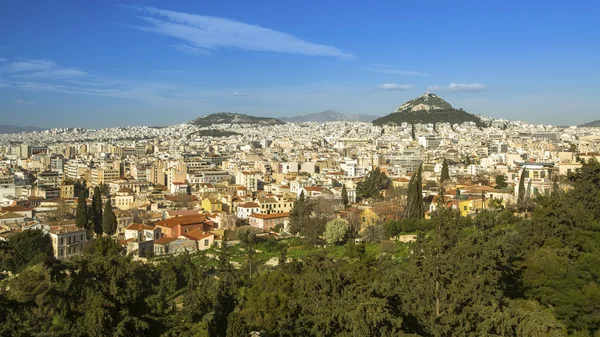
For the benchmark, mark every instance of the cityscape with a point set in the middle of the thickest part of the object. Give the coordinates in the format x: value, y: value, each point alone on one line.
x: 439, y: 217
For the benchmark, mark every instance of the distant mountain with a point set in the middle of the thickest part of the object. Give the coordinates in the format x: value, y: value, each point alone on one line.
x: 234, y: 118
x: 428, y: 108
x: 329, y: 116
x: 594, y: 124
x: 18, y: 129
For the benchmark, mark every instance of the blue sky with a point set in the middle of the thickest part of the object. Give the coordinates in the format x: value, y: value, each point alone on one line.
x: 102, y: 63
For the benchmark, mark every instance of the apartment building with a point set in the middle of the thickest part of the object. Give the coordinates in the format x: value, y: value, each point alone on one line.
x: 67, y: 241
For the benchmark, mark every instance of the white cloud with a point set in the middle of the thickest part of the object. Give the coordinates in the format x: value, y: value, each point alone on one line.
x: 458, y: 87
x: 239, y: 93
x: 57, y: 73
x: 28, y: 65
x: 39, y: 69
x: 394, y: 86
x: 20, y: 101
x: 2, y: 60
x: 190, y: 50
x: 212, y: 33
x: 381, y: 68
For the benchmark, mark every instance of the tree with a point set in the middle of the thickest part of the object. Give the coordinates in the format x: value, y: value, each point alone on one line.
x: 501, y: 182
x: 375, y: 182
x: 96, y: 211
x: 521, y: 192
x: 81, y: 217
x: 412, y: 132
x: 345, y: 196
x: 414, y: 202
x: 109, y: 220
x: 374, y: 233
x: 445, y: 173
x: 26, y: 248
x: 336, y: 231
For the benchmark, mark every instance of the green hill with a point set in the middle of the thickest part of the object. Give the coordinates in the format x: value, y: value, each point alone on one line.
x: 428, y: 108
x: 234, y: 118
x: 593, y: 124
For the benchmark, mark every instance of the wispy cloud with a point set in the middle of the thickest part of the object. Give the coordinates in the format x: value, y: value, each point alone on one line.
x: 239, y: 93
x: 458, y: 87
x: 2, y: 60
x: 190, y: 50
x: 394, y: 86
x: 27, y: 65
x: 39, y: 69
x: 213, y: 33
x: 20, y: 101
x: 385, y: 69
x: 58, y: 73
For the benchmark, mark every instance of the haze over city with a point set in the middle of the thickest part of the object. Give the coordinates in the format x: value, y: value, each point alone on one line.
x: 110, y: 63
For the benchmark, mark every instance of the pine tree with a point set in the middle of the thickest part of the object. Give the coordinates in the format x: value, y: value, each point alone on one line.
x: 445, y: 173
x: 414, y: 202
x: 109, y: 220
x: 345, y: 196
x: 96, y: 211
x: 81, y: 218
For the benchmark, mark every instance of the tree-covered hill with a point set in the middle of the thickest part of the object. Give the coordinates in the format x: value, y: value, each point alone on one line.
x: 425, y: 109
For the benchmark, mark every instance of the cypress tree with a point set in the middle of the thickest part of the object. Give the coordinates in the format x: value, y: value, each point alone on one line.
x: 412, y: 132
x: 81, y: 218
x: 96, y: 211
x: 414, y: 202
x: 521, y: 195
x: 445, y: 173
x: 109, y: 220
x: 345, y: 196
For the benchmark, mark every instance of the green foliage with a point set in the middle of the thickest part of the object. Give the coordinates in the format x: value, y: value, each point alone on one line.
x: 81, y: 217
x: 24, y: 249
x: 414, y: 202
x: 451, y: 116
x: 345, y: 196
x: 109, y: 220
x: 304, y: 219
x: 445, y: 175
x: 501, y: 182
x: 521, y: 192
x: 371, y: 187
x: 374, y: 233
x: 336, y: 231
x: 494, y: 275
x: 96, y: 211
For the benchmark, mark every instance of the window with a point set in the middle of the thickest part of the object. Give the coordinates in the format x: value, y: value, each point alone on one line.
x: 62, y: 241
x: 205, y: 242
x: 465, y: 208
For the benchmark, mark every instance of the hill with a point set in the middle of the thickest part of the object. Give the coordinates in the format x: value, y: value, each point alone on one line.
x: 428, y: 108
x: 594, y: 124
x: 329, y: 116
x: 18, y: 129
x: 234, y: 118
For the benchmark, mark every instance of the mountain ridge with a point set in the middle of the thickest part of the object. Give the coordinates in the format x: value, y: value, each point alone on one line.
x: 234, y: 118
x: 5, y: 128
x: 592, y: 124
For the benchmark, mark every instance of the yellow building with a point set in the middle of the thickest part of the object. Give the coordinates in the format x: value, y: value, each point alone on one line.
x: 212, y: 205
x: 368, y: 218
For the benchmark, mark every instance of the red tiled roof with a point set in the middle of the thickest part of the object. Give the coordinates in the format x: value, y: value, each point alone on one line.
x: 270, y: 216
x: 182, y: 220
x: 164, y: 240
x: 197, y: 234
x: 139, y: 227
